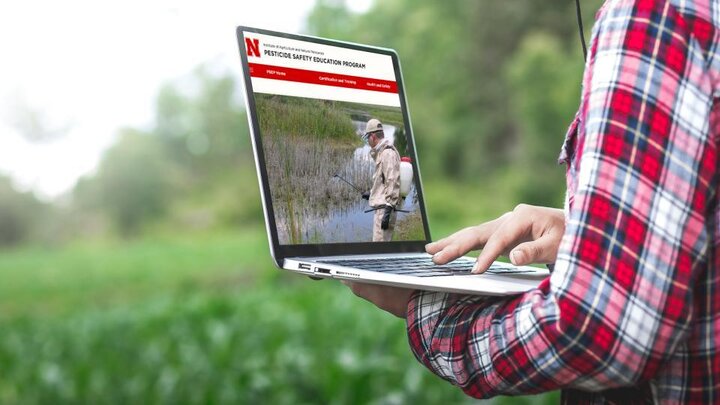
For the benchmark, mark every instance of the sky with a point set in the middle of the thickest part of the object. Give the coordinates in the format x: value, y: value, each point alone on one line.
x: 89, y: 68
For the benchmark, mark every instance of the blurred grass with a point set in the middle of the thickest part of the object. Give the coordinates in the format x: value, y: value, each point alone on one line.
x: 205, y: 318
x: 56, y: 281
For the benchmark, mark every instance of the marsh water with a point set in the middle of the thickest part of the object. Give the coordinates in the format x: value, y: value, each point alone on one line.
x: 333, y: 212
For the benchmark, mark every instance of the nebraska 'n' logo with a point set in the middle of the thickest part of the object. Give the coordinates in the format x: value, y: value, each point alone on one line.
x: 253, y: 47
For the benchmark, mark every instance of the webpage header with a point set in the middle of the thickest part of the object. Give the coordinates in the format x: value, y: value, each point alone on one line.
x: 306, y: 69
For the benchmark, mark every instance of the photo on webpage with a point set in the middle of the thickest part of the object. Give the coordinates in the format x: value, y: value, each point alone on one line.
x: 334, y: 141
x: 319, y: 168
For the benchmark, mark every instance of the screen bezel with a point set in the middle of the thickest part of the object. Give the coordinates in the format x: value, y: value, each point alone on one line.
x: 280, y: 252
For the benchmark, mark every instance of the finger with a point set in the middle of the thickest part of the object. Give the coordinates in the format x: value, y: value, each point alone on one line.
x: 359, y: 289
x: 461, y: 243
x: 362, y: 290
x: 500, y: 241
x: 541, y: 250
x: 438, y: 245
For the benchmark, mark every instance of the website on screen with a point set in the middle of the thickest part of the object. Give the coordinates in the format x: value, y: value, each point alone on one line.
x: 334, y: 140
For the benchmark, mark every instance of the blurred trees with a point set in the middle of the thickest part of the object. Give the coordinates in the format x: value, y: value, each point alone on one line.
x: 491, y: 84
x: 33, y: 123
x: 543, y: 83
x: 185, y: 164
x: 21, y: 214
x: 133, y: 182
x: 202, y: 123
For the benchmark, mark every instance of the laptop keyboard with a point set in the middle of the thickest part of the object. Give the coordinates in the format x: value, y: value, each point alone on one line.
x: 423, y: 266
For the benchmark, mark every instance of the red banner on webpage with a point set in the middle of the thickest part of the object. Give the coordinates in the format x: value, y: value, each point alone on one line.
x: 322, y: 78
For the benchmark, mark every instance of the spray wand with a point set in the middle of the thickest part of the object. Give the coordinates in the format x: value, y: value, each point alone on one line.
x: 351, y: 185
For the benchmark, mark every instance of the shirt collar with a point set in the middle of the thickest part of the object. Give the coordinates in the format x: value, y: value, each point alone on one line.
x: 382, y: 144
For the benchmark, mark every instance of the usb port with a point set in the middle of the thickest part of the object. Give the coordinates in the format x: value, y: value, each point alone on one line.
x: 321, y: 270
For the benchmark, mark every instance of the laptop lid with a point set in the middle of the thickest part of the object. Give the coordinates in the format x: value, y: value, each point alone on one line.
x: 309, y: 101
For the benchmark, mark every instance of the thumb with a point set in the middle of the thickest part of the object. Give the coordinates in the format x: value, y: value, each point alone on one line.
x: 542, y: 250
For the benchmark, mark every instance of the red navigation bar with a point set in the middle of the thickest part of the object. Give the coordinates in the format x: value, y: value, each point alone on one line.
x: 322, y: 78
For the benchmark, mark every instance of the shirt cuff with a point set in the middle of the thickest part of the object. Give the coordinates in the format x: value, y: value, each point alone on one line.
x: 425, y: 310
x: 432, y: 318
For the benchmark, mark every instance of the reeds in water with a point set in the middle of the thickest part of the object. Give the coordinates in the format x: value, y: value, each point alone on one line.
x: 306, y: 143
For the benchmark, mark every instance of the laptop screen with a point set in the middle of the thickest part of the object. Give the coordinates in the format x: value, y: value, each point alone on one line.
x: 337, y: 153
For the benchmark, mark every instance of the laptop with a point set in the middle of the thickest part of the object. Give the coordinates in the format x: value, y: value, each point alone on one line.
x: 310, y: 102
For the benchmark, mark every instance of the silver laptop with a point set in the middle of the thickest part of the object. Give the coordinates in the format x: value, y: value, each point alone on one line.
x: 310, y: 102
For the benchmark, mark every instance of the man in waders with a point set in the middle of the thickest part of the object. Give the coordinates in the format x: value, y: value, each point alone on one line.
x: 384, y: 195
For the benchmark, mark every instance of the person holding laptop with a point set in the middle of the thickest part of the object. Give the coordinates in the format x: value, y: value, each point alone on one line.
x: 631, y: 311
x: 304, y: 237
x: 384, y: 195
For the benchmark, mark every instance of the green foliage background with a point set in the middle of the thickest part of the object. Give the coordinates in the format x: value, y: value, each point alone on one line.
x: 152, y: 282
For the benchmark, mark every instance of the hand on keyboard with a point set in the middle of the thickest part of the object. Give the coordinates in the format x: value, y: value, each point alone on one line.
x: 528, y: 234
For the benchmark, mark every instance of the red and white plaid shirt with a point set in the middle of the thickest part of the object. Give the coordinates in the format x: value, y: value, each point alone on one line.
x: 631, y: 312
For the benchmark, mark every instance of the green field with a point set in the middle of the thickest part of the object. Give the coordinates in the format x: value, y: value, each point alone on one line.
x: 150, y: 281
x: 195, y: 319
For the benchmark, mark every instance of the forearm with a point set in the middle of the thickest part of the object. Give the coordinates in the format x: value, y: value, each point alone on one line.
x: 473, y: 343
x: 498, y: 346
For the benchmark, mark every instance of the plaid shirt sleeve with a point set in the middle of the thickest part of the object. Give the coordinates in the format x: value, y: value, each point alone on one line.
x: 620, y: 298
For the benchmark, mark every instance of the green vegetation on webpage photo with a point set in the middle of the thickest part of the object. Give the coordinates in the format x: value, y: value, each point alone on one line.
x: 313, y: 153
